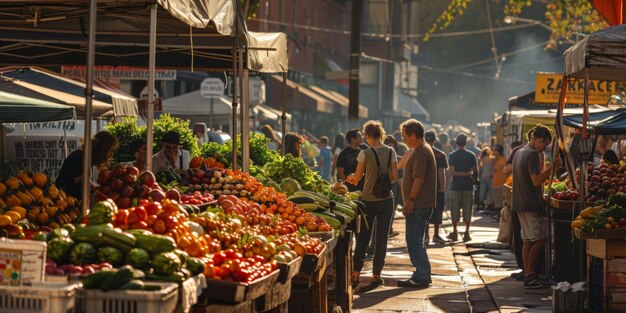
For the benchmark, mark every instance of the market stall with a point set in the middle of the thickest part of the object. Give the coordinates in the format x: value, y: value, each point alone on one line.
x: 601, y: 55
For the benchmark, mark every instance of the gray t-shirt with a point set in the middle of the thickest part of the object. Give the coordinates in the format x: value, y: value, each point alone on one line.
x: 526, y: 197
x: 371, y: 169
x: 463, y: 161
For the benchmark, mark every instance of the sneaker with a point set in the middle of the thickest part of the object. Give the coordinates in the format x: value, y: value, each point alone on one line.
x: 516, y: 274
x: 453, y: 236
x: 410, y: 283
x: 533, y: 282
x: 466, y: 237
x: 393, y: 234
x: 437, y: 239
x: 520, y: 277
x: 377, y: 282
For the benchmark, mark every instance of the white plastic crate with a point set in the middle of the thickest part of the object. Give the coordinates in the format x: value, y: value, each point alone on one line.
x: 40, y: 298
x: 132, y: 301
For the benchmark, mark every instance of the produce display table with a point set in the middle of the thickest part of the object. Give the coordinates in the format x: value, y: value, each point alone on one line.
x: 309, y: 289
x: 606, y: 275
x: 569, y: 258
x: 339, y: 274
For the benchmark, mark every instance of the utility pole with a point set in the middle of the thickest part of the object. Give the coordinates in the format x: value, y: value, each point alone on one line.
x: 355, y: 58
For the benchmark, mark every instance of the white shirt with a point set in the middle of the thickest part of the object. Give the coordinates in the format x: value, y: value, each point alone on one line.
x: 160, y: 161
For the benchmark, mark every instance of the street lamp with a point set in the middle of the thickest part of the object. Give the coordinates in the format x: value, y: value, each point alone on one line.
x: 510, y: 19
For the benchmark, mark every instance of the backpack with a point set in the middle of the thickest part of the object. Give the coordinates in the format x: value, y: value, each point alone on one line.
x: 382, y: 186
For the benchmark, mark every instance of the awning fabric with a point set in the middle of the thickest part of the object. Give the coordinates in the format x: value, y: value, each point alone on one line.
x: 20, y: 109
x: 576, y: 120
x: 413, y: 106
x: 527, y: 102
x: 602, y: 52
x: 269, y: 112
x: 194, y: 104
x: 51, y: 95
x: 122, y: 105
x: 298, y: 97
x: 342, y: 101
x: 53, y: 33
x: 612, y: 10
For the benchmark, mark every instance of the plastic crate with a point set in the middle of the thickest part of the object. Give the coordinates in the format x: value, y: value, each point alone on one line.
x: 132, y: 301
x: 596, y: 285
x: 40, y: 298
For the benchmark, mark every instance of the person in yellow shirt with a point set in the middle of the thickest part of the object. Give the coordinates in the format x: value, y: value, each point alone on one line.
x: 498, y: 178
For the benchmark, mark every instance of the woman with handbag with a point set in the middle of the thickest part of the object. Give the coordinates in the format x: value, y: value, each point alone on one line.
x: 379, y: 165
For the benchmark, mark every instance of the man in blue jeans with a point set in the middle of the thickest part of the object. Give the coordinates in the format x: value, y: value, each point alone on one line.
x: 419, y: 191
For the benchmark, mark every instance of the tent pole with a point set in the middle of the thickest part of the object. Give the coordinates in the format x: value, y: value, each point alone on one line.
x: 2, y: 144
x: 234, y: 115
x: 91, y: 59
x: 245, y: 114
x: 283, y: 117
x: 151, y: 76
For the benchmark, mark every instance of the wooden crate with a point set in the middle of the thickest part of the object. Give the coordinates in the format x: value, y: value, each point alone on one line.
x: 613, y: 255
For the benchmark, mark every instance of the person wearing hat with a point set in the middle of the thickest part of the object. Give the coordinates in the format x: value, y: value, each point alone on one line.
x: 498, y: 178
x: 442, y: 165
x: 464, y: 172
x: 170, y: 156
x: 138, y: 150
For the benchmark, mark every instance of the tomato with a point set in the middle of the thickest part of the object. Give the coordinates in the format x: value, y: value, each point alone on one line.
x: 219, y: 258
x: 151, y: 219
x: 141, y: 213
x: 143, y: 202
x: 159, y: 227
x: 139, y: 225
x: 132, y: 218
x: 258, y: 258
x: 225, y: 270
x: 242, y: 275
x: 153, y: 208
x: 171, y: 222
x: 121, y: 217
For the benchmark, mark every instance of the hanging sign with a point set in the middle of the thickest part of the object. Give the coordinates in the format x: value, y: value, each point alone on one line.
x: 117, y: 73
x: 212, y: 87
x: 548, y: 88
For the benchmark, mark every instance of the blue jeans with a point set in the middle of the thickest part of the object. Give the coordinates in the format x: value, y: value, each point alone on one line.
x: 416, y: 225
x: 381, y: 212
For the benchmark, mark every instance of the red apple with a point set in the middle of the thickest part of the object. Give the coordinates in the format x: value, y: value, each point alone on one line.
x: 131, y: 170
x: 117, y: 184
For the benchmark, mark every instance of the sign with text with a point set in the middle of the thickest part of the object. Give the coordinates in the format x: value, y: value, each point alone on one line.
x: 142, y: 105
x: 40, y: 153
x: 212, y: 87
x: 117, y: 73
x: 548, y: 87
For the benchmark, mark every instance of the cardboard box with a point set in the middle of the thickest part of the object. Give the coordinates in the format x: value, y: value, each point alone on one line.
x: 22, y: 262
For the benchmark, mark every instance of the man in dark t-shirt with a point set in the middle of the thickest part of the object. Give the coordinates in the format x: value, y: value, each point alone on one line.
x: 464, y: 171
x: 442, y: 164
x: 527, y: 201
x: 347, y: 159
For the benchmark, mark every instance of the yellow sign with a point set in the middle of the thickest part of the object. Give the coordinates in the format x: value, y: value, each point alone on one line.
x: 548, y: 88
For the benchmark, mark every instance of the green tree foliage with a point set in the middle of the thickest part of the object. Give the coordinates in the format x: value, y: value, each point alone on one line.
x: 454, y: 9
x: 126, y: 131
x: 566, y: 18
x: 167, y: 123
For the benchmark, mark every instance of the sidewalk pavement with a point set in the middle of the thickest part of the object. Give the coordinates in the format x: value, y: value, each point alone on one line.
x: 467, y: 277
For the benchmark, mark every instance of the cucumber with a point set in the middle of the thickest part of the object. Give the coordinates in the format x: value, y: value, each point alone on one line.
x: 134, y: 284
x: 117, y: 280
x: 94, y: 280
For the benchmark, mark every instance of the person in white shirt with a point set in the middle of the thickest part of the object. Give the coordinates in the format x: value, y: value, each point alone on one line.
x: 170, y: 156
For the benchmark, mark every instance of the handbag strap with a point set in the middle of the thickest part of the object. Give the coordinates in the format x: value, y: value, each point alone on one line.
x: 378, y: 161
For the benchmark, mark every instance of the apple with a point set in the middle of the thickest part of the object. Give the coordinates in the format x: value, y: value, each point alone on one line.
x: 129, y: 179
x: 173, y: 194
x: 157, y: 195
x: 127, y: 191
x: 131, y: 170
x: 117, y: 184
x: 147, y: 178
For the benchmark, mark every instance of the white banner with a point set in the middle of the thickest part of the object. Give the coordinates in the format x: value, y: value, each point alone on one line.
x: 40, y: 153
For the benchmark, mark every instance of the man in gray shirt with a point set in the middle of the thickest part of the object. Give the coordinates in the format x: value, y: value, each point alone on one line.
x: 528, y: 203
